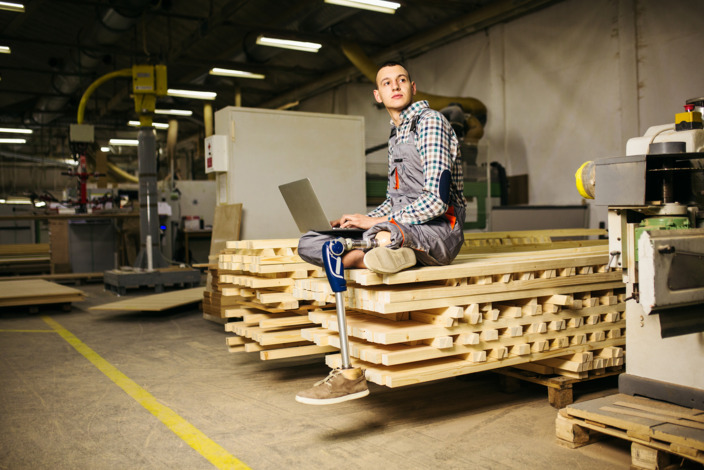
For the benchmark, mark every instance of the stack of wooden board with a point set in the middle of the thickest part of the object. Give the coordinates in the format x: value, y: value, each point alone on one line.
x: 530, y: 240
x: 25, y: 258
x: 482, y: 312
x: 37, y: 292
x: 253, y: 283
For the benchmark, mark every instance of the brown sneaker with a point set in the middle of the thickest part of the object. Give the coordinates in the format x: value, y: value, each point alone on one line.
x: 384, y: 260
x: 340, y: 385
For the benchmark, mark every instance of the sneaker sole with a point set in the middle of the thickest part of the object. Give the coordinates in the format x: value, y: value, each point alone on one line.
x: 331, y: 401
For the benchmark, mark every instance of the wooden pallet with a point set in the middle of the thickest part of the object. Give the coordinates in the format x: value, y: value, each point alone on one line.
x: 654, y: 428
x: 559, y: 387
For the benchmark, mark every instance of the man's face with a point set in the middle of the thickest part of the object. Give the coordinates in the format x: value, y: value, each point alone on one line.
x: 394, y: 89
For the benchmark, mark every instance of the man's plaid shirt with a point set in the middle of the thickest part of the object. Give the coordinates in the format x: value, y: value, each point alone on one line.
x: 439, y: 151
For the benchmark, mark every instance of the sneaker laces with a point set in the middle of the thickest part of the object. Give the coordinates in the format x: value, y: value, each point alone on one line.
x: 333, y: 373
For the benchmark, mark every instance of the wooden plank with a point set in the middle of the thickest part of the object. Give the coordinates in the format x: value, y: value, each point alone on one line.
x: 24, y: 249
x: 227, y: 222
x: 37, y: 292
x: 467, y: 247
x: 663, y: 409
x: 481, y: 298
x: 295, y: 320
x: 297, y: 351
x: 564, y: 232
x: 382, y: 331
x: 156, y: 302
x: 424, y: 292
x: 468, y: 266
x: 409, y: 374
x: 654, y: 416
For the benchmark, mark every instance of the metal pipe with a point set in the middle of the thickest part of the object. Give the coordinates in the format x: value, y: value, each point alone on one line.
x: 108, y: 30
x: 150, y: 263
x: 208, y: 119
x: 342, y: 329
x: 356, y: 55
x: 94, y: 86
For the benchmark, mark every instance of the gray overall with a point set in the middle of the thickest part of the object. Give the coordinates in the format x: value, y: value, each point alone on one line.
x: 435, y: 242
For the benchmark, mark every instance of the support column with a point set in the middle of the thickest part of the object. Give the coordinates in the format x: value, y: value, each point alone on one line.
x: 148, y: 200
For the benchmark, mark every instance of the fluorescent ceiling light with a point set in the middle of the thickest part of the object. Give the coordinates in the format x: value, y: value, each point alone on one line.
x: 18, y: 200
x: 16, y: 130
x: 157, y: 125
x: 105, y: 149
x: 5, y: 50
x: 39, y: 204
x: 174, y: 112
x: 289, y: 44
x: 380, y: 6
x: 18, y: 7
x: 125, y: 142
x: 199, y: 95
x: 13, y: 141
x: 235, y: 73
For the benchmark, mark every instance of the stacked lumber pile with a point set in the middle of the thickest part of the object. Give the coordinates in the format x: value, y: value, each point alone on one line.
x: 530, y: 240
x: 482, y: 312
x: 581, y: 365
x: 24, y: 258
x: 253, y: 284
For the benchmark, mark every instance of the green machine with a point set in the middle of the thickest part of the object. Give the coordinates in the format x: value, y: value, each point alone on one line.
x: 474, y: 190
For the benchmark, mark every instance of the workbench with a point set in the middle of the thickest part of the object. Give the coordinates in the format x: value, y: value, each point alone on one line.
x: 59, y: 236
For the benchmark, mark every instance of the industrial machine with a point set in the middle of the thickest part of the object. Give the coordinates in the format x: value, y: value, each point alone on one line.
x: 655, y: 196
x: 148, y: 83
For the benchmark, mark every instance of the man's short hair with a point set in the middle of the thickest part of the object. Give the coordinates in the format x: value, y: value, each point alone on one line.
x: 392, y: 63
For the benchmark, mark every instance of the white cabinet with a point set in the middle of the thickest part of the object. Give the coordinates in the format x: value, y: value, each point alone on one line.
x: 267, y: 148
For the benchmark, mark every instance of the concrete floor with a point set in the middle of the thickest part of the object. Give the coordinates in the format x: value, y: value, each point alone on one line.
x: 59, y: 411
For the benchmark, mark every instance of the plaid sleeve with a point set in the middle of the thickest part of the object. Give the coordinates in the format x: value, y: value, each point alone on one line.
x: 436, y: 146
x: 383, y: 209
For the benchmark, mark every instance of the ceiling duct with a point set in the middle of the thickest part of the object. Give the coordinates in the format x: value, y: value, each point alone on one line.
x: 111, y: 25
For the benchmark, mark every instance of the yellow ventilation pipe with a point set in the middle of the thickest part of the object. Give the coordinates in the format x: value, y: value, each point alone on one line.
x: 113, y: 170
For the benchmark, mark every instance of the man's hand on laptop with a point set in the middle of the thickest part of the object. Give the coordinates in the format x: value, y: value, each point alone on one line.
x: 357, y: 221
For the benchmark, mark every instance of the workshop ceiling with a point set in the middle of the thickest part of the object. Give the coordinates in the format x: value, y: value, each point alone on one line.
x: 60, y: 47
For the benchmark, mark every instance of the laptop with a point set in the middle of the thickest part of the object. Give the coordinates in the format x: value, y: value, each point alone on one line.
x: 307, y: 212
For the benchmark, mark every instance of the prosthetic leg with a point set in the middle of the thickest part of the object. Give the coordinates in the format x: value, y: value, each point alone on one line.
x: 346, y: 383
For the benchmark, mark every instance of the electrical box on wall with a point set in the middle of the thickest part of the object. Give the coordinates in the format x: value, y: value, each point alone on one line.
x: 216, y: 154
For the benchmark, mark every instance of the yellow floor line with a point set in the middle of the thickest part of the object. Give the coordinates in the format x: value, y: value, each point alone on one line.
x: 179, y: 426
